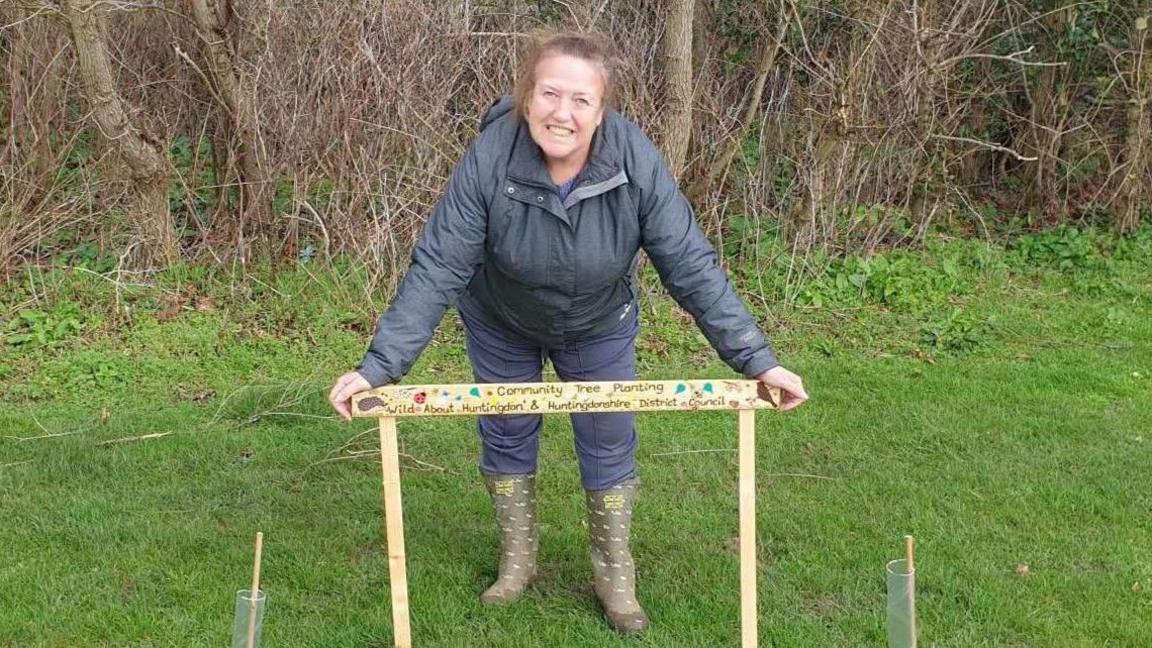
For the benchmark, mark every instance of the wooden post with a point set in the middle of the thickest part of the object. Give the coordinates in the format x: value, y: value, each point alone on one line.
x: 394, y: 521
x: 386, y: 403
x: 748, y: 528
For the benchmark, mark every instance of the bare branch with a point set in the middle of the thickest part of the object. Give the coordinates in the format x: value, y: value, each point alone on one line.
x: 1014, y: 57
x: 989, y: 145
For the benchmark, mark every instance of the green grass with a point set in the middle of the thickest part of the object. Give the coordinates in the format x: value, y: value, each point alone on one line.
x: 1031, y: 446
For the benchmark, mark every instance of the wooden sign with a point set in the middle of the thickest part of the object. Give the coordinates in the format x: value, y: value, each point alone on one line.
x: 561, y: 397
x: 388, y: 403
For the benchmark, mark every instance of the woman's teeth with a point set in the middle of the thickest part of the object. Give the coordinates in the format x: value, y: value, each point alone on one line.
x: 559, y: 131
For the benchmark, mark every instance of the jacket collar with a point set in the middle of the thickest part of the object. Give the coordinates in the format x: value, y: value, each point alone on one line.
x: 527, y: 161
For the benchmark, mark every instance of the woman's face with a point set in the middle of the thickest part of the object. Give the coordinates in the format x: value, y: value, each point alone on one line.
x: 566, y: 106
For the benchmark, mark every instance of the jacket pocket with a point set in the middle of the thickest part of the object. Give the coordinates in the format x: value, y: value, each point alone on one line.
x: 519, y: 244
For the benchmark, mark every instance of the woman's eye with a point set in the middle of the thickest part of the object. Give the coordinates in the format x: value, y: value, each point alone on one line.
x: 549, y: 94
x: 583, y: 102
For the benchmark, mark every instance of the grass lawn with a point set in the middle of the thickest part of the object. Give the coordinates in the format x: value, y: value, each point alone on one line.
x: 1022, y: 466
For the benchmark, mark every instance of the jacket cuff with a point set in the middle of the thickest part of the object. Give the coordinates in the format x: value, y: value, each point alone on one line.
x: 374, y: 371
x: 760, y: 362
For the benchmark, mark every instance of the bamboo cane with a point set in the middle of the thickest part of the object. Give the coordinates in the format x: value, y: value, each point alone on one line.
x: 254, y: 593
x: 908, y: 547
x: 394, y: 520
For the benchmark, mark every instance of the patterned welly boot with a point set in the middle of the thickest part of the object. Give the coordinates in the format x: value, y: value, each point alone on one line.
x: 609, y: 524
x: 514, y: 499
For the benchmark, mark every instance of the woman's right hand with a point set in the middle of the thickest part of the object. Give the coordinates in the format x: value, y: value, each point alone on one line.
x: 346, y: 386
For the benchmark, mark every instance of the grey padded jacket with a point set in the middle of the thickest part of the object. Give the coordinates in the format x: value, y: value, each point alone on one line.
x: 502, y: 242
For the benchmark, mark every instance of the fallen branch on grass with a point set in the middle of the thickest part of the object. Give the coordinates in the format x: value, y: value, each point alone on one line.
x: 145, y: 437
x: 682, y: 452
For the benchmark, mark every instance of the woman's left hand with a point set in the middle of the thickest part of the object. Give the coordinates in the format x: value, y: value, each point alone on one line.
x: 791, y: 387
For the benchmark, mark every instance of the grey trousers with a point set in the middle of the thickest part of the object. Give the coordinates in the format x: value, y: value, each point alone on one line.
x: 605, y: 442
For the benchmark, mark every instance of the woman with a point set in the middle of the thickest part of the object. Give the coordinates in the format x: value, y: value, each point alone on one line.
x: 535, y: 241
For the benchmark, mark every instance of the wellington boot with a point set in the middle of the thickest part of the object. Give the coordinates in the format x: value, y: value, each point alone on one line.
x: 514, y: 499
x: 609, y: 524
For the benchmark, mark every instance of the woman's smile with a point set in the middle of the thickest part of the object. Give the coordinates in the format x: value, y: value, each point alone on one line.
x: 560, y: 131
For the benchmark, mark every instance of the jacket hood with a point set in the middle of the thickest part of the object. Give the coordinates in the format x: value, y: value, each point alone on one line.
x: 498, y: 109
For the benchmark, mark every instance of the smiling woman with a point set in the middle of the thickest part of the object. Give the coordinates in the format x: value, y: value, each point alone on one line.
x: 535, y: 241
x: 564, y: 87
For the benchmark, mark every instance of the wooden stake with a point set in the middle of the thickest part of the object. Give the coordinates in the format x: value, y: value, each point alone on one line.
x: 911, y: 565
x: 254, y: 593
x: 748, y: 528
x: 394, y: 519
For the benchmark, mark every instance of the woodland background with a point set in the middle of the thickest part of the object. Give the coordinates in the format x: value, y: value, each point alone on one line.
x: 212, y: 131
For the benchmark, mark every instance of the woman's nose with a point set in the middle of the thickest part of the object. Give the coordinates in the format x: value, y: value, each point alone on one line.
x: 563, y: 110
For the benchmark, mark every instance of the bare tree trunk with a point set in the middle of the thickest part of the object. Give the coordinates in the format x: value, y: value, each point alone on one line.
x: 148, y: 168
x: 702, y: 38
x: 1045, y: 137
x: 17, y: 81
x: 678, y: 83
x: 230, y: 88
x: 1137, y: 141
x: 771, y: 49
x: 830, y: 155
x: 923, y: 97
x: 26, y: 142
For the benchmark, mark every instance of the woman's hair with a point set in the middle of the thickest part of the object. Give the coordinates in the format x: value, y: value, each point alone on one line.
x: 582, y: 45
